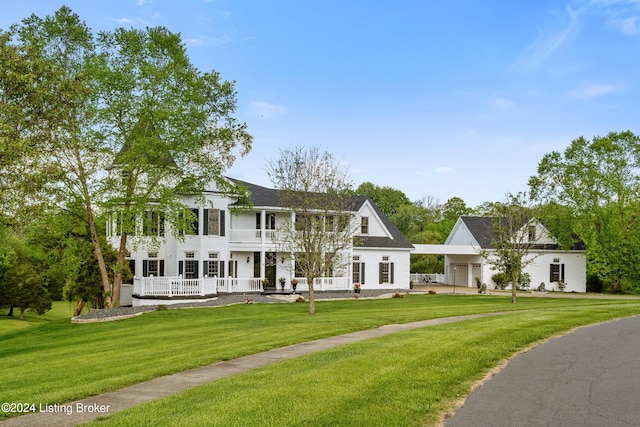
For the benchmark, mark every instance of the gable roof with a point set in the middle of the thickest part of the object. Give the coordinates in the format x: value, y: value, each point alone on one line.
x: 268, y: 197
x: 483, y: 230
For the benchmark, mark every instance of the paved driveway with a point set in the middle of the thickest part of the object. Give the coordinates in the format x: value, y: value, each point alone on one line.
x: 590, y: 377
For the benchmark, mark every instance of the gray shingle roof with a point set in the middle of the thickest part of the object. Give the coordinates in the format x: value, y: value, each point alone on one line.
x: 268, y: 197
x: 483, y: 230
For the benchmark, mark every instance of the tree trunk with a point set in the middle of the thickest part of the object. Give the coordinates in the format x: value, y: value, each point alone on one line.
x: 10, y: 314
x: 95, y: 239
x: 117, y: 280
x: 312, y: 300
x: 79, y: 306
x: 97, y: 250
x: 22, y: 313
x: 514, y: 287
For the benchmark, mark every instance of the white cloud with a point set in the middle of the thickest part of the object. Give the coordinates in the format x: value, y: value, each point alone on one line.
x: 443, y: 169
x: 208, y: 41
x: 592, y: 90
x: 440, y: 170
x: 267, y: 110
x: 548, y: 41
x: 629, y: 26
x: 124, y: 21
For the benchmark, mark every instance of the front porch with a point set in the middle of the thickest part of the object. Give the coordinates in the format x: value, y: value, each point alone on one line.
x: 172, y: 290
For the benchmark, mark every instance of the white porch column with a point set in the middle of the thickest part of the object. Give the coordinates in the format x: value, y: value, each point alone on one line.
x: 470, y: 280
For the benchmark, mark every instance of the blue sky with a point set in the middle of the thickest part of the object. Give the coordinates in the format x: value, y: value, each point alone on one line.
x: 437, y: 98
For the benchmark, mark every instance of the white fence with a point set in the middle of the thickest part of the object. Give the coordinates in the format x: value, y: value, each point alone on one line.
x: 179, y: 287
x: 422, y: 279
x: 174, y: 286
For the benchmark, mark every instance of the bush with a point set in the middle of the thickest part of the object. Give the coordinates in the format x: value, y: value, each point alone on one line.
x: 500, y: 279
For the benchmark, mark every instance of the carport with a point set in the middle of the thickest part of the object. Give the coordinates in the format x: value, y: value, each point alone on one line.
x: 462, y: 263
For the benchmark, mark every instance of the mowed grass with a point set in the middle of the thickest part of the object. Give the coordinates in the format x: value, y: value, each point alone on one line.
x: 60, y: 310
x: 404, y: 379
x: 57, y: 362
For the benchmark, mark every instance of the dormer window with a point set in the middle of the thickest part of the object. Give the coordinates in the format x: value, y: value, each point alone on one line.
x: 532, y: 233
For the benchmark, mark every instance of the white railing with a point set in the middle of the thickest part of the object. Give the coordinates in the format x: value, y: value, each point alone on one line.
x: 179, y: 287
x: 420, y: 278
x: 239, y: 285
x: 174, y: 286
x: 325, y: 284
x: 251, y: 235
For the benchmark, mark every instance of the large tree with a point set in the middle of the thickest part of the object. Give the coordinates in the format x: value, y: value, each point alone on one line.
x: 136, y: 125
x: 598, y: 180
x: 313, y: 185
x: 514, y: 237
x: 388, y: 199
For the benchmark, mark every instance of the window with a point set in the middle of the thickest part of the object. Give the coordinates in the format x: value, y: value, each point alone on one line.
x: 556, y: 272
x: 190, y: 269
x: 357, y: 275
x: 364, y: 225
x: 385, y: 272
x: 271, y: 221
x: 124, y: 177
x: 153, y: 224
x: 532, y: 233
x: 152, y: 267
x: 189, y: 255
x: 212, y: 269
x: 214, y: 222
x: 152, y: 254
x: 192, y: 226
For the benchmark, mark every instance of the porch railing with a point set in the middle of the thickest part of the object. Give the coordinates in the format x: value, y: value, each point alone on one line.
x: 179, y: 287
x: 174, y: 286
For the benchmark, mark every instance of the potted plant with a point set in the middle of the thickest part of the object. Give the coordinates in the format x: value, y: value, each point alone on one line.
x: 356, y: 288
x: 294, y: 283
x: 265, y: 282
x: 282, y: 281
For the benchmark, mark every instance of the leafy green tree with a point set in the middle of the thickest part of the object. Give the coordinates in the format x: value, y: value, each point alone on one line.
x: 598, y: 181
x: 135, y: 124
x: 512, y: 240
x: 317, y: 189
x: 454, y: 208
x: 24, y: 284
x: 388, y: 199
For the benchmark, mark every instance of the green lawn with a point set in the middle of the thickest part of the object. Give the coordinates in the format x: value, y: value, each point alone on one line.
x: 60, y: 310
x: 57, y: 362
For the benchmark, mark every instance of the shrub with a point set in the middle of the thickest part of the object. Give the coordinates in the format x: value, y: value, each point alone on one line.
x: 500, y: 279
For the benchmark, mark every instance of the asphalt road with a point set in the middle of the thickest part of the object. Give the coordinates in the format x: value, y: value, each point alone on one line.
x: 590, y: 377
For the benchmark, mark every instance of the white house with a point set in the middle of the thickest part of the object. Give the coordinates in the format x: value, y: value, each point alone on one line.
x: 472, y: 235
x: 233, y: 250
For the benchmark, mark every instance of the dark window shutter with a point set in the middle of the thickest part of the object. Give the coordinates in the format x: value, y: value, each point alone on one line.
x: 258, y: 221
x: 196, y: 223
x: 222, y: 223
x: 132, y: 266
x: 391, y: 273
x: 362, y: 273
x: 221, y: 269
x: 145, y: 268
x: 205, y: 267
x: 380, y: 273
x: 161, y: 267
x: 550, y: 273
x: 180, y: 267
x: 205, y: 221
x: 562, y: 272
x: 195, y: 270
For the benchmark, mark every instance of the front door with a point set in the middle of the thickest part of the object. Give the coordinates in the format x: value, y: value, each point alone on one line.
x: 270, y: 269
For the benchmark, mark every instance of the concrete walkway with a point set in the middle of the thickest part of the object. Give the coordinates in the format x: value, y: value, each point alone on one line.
x: 70, y: 414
